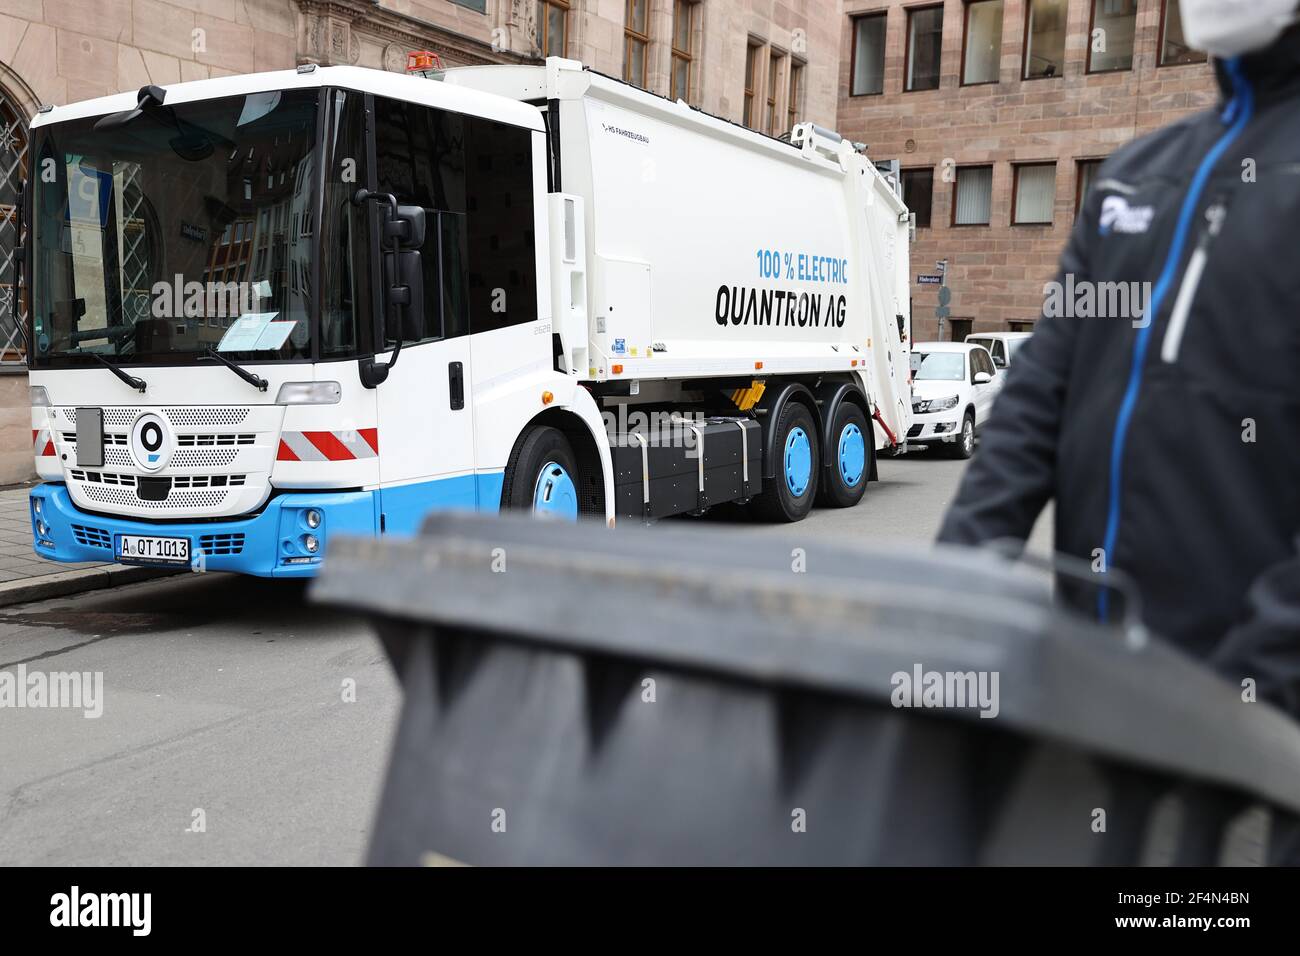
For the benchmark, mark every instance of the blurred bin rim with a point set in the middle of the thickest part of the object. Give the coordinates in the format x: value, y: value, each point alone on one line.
x: 728, y: 608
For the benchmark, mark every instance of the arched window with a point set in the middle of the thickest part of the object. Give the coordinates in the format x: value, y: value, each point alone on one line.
x: 13, y: 170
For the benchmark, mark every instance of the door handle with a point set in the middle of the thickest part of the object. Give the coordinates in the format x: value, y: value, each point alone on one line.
x: 456, y: 385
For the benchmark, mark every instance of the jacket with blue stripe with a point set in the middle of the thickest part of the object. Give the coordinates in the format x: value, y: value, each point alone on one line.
x: 1170, y: 441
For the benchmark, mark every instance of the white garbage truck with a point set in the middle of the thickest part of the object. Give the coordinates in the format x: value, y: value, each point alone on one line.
x: 268, y: 309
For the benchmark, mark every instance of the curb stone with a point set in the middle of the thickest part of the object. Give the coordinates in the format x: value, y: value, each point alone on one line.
x: 64, y: 583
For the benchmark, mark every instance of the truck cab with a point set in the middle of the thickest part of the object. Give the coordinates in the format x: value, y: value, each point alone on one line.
x: 213, y: 305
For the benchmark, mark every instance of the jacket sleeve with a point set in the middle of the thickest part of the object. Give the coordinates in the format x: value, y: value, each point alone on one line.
x: 1014, y: 475
x: 1266, y: 646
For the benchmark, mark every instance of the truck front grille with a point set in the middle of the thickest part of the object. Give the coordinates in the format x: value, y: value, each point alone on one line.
x: 92, y: 537
x: 221, y: 543
x: 176, y: 499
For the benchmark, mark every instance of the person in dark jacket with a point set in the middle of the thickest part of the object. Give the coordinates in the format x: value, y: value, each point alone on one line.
x: 1169, y: 435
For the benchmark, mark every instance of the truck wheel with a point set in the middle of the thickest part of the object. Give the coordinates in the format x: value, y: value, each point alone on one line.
x: 844, y: 480
x: 790, y: 495
x: 541, y: 476
x: 964, y: 446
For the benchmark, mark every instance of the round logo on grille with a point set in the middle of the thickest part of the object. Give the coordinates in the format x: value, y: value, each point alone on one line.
x: 151, y: 443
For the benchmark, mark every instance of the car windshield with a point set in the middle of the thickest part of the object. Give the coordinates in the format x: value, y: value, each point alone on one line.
x: 177, y: 230
x: 938, y: 366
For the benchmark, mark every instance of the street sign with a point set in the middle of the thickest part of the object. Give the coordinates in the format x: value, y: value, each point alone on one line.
x: 929, y: 280
x: 942, y: 266
x: 945, y: 295
x: 942, y: 312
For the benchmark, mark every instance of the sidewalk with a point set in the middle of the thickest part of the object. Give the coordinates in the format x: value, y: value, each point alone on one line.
x: 25, y: 577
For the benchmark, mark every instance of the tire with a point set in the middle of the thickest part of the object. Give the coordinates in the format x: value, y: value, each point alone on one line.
x: 844, y: 480
x: 541, y: 476
x: 791, y: 493
x: 964, y: 446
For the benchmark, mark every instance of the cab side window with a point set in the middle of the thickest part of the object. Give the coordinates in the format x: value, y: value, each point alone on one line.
x: 420, y: 159
x: 474, y: 179
x: 500, y: 243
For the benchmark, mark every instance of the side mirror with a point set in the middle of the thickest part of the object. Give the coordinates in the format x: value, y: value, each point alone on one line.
x: 999, y: 361
x: 403, y: 270
x: 403, y: 293
x: 406, y: 225
x: 403, y: 231
x: 981, y: 378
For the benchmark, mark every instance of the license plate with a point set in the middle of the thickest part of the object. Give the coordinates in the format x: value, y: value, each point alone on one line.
x: 147, y: 549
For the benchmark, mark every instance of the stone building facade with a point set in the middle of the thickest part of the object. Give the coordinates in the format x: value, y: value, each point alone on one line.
x: 1007, y: 104
x: 710, y: 52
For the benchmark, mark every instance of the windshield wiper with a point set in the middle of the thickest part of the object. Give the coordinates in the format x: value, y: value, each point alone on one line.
x: 136, y: 383
x: 250, y: 377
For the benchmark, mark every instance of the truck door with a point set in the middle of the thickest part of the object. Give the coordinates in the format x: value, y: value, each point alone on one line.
x: 426, y: 419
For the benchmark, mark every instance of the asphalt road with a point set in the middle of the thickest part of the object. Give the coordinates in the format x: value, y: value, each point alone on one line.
x: 225, y: 703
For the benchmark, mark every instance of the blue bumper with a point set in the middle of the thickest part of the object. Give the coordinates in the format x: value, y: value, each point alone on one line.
x: 269, y: 544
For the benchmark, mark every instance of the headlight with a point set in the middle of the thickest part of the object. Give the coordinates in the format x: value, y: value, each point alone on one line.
x: 313, y: 518
x: 38, y: 505
x: 39, y: 396
x: 309, y: 393
x: 934, y: 405
x: 42, y: 528
x: 310, y: 543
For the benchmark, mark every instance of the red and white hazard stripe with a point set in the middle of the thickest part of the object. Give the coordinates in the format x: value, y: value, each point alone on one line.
x: 329, y: 446
x: 43, y: 443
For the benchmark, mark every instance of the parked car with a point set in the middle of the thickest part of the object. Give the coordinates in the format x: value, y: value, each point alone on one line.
x: 953, y: 387
x: 1001, y: 345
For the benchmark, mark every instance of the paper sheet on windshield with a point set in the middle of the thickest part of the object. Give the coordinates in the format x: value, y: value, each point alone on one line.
x: 256, y: 332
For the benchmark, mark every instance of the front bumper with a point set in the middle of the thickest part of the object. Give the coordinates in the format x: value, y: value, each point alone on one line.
x: 267, y: 544
x: 935, y: 426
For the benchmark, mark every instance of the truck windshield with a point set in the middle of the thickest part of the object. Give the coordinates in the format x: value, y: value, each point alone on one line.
x: 182, y: 229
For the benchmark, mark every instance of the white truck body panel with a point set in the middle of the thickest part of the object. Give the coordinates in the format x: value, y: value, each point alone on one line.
x: 689, y: 221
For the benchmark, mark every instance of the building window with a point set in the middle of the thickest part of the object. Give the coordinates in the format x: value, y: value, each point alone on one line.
x: 868, y: 69
x: 918, y: 194
x: 1087, y: 174
x: 1044, y: 39
x: 478, y: 6
x: 1110, y: 38
x: 683, y: 62
x: 553, y: 27
x: 973, y: 196
x: 924, y: 46
x: 774, y: 66
x: 1174, y: 50
x: 636, y: 42
x: 794, y: 101
x: 1034, y: 195
x: 981, y: 55
x: 751, y: 80
x: 1020, y: 326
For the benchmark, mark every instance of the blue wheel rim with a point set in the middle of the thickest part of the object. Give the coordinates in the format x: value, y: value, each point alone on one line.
x: 798, y: 461
x: 555, y: 495
x: 852, y: 455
